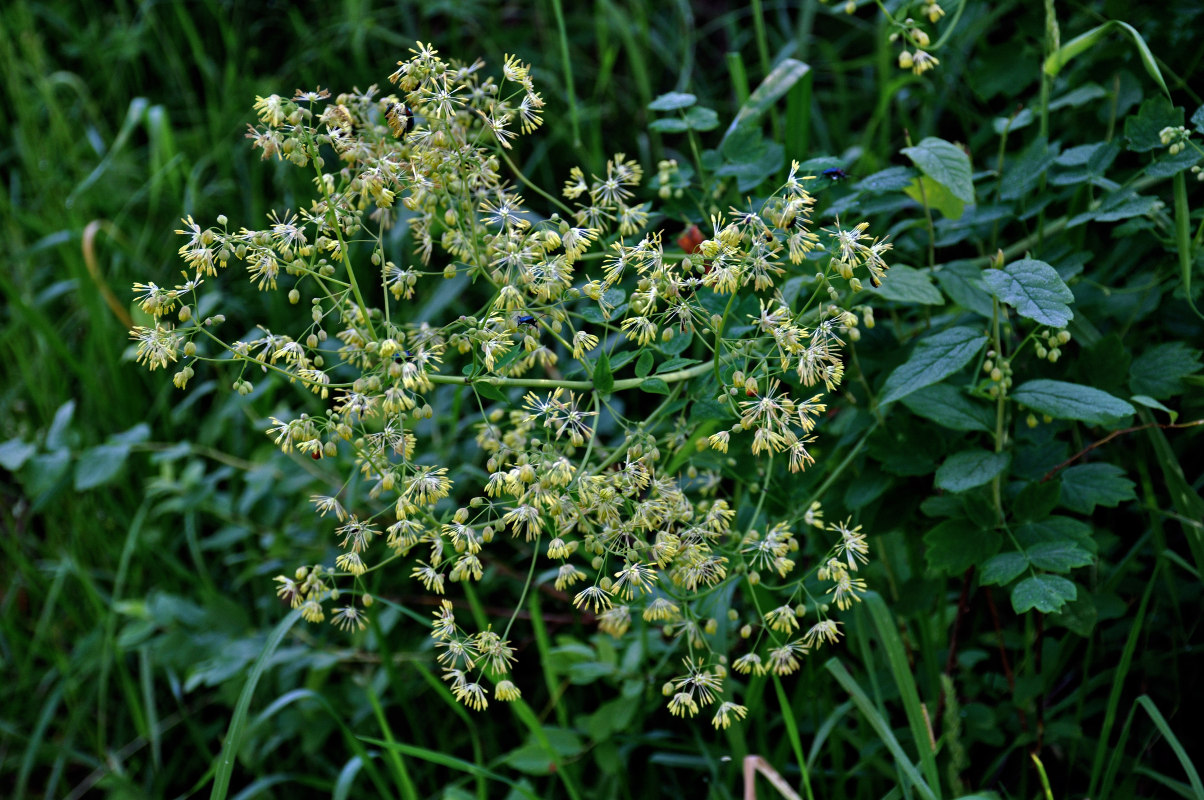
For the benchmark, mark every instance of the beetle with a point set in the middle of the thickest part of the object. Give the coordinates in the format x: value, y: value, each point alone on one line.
x: 527, y: 319
x: 835, y: 173
x: 400, y: 119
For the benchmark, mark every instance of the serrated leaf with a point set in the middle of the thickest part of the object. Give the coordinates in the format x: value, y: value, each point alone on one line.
x: 644, y: 365
x: 1058, y: 556
x: 1045, y: 593
x: 946, y: 164
x: 604, y: 379
x: 1086, y: 486
x: 1003, y: 568
x: 950, y: 408
x: 654, y: 386
x: 1056, y: 529
x: 1034, y: 289
x: 1062, y: 400
x: 1159, y: 371
x: 955, y: 545
x: 904, y: 284
x: 970, y: 468
x: 671, y: 101
x: 489, y: 391
x: 934, y: 358
x: 1144, y: 129
x: 1035, y: 501
x: 1197, y: 119
x: 99, y: 465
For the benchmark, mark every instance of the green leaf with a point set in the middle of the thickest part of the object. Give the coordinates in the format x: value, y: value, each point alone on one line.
x: 934, y: 358
x: 1084, y: 42
x: 1079, y: 96
x: 1079, y: 616
x: 927, y: 191
x: 674, y: 364
x: 1022, y: 173
x: 1022, y: 119
x: 1197, y: 119
x: 946, y: 164
x: 1034, y: 289
x: 14, y: 453
x: 955, y: 545
x: 1046, y: 593
x: 1058, y: 556
x: 889, y: 180
x: 1056, y: 529
x: 1086, y: 486
x: 906, y: 285
x: 604, y: 379
x: 962, y: 282
x: 698, y: 118
x: 1062, y: 400
x: 1035, y: 501
x: 950, y: 408
x: 1003, y: 568
x: 1159, y: 371
x: 654, y: 386
x: 671, y: 101
x: 784, y: 75
x: 970, y: 468
x: 99, y: 465
x: 1144, y: 129
x: 644, y: 365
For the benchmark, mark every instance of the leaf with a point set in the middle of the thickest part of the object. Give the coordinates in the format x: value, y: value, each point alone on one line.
x: 1197, y: 119
x: 1159, y: 371
x: 654, y: 386
x: 1021, y: 119
x: 970, y: 468
x: 1144, y: 129
x: 1035, y: 501
x: 1084, y: 42
x: 950, y: 408
x: 674, y: 364
x: 927, y: 191
x: 1056, y: 529
x: 671, y: 101
x: 1034, y: 289
x: 698, y: 118
x: 99, y: 465
x: 1022, y: 173
x: 1003, y: 568
x: 891, y: 179
x: 1062, y: 400
x: 962, y: 282
x: 1046, y: 593
x: 644, y: 365
x: 14, y: 453
x: 784, y: 75
x: 904, y: 284
x: 604, y: 379
x: 955, y: 545
x: 1079, y: 96
x: 946, y: 164
x: 1059, y: 556
x: 934, y: 358
x: 1086, y: 486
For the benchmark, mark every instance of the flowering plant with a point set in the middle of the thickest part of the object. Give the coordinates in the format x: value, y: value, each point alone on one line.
x: 638, y: 412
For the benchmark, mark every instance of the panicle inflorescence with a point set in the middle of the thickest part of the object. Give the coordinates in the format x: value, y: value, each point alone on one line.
x: 631, y: 530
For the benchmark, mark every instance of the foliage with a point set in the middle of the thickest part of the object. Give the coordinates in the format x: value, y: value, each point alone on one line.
x: 1016, y: 434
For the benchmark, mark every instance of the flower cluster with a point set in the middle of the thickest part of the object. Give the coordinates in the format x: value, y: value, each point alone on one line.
x: 628, y: 506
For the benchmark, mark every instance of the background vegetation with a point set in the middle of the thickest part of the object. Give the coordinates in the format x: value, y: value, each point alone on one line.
x: 141, y: 526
